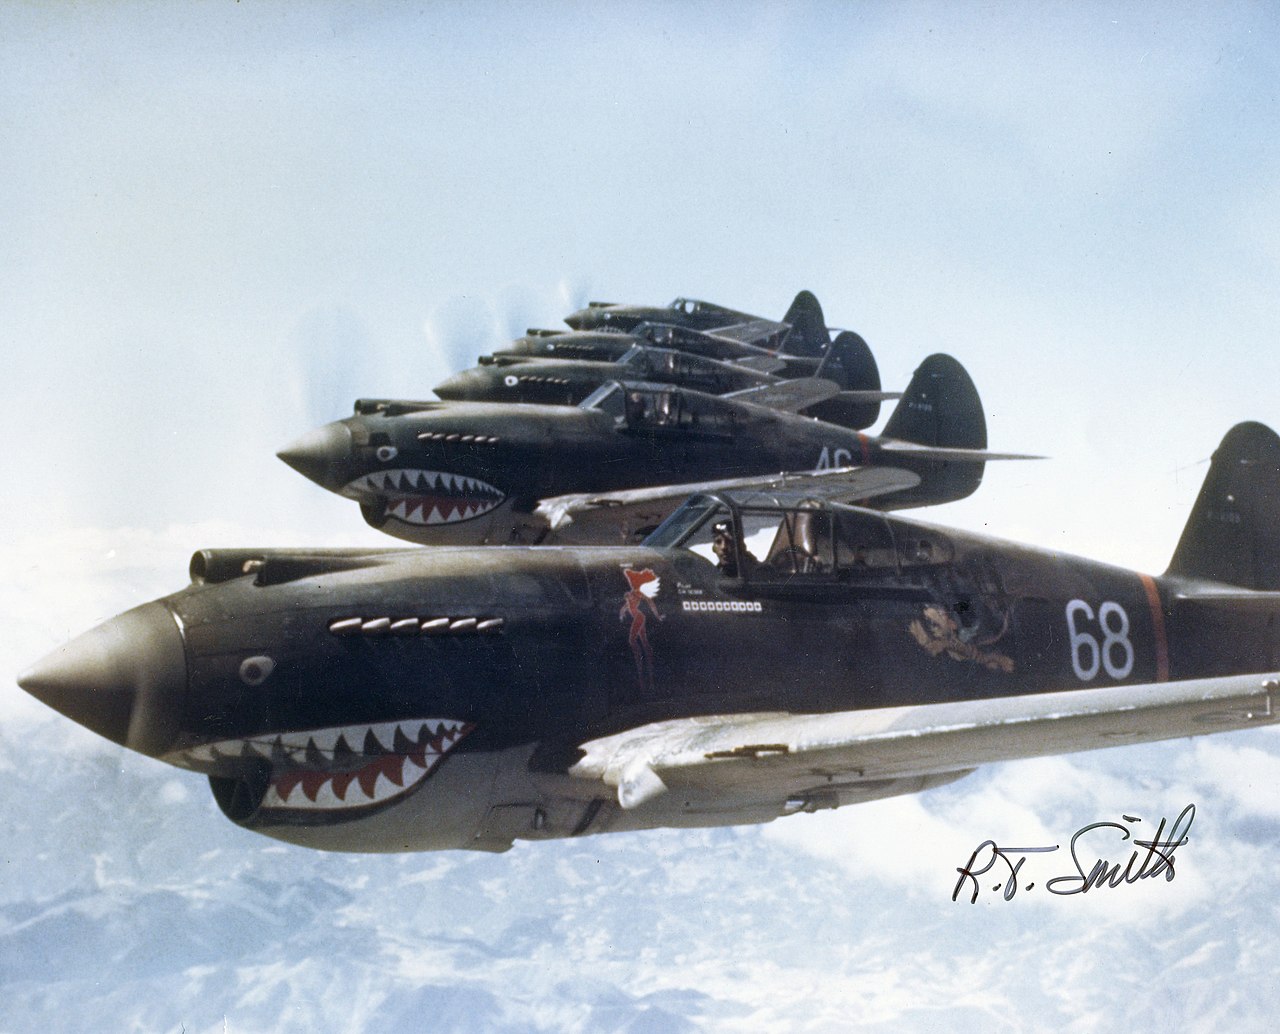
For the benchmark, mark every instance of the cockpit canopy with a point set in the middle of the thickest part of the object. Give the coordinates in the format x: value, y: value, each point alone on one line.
x: 666, y: 362
x: 768, y: 539
x: 688, y: 306
x: 654, y: 407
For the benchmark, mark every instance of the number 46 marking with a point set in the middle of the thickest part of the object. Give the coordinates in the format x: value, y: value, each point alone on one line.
x: 1114, y: 652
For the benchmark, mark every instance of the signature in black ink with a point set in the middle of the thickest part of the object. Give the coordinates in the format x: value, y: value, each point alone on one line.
x: 1150, y: 858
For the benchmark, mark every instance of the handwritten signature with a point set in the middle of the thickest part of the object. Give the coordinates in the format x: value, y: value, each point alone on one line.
x: 1150, y: 858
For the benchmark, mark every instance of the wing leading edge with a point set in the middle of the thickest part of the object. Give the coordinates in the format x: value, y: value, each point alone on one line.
x: 839, y: 484
x: 776, y: 754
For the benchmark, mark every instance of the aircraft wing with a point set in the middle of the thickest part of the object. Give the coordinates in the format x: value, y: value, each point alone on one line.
x: 760, y: 332
x: 789, y: 396
x: 767, y: 363
x: 786, y: 755
x: 639, y: 507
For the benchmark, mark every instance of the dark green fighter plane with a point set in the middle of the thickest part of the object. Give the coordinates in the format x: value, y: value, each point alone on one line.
x: 756, y: 656
x: 801, y: 332
x: 609, y: 470
x: 566, y: 381
x: 802, y: 336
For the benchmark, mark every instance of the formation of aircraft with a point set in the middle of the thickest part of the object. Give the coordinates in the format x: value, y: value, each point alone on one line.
x: 561, y: 380
x: 774, y: 645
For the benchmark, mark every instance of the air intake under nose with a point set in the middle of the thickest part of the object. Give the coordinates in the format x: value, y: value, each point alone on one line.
x: 125, y: 679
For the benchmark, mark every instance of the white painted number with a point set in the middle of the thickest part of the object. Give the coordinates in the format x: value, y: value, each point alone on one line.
x: 1114, y: 653
x: 1082, y: 641
x: 1115, y: 634
x: 830, y: 459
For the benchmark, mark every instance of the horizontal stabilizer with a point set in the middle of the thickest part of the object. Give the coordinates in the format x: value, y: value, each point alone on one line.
x: 1261, y: 602
x: 857, y: 397
x: 934, y: 452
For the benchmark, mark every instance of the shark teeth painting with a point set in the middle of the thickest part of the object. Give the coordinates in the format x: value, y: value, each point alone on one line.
x: 338, y: 769
x: 426, y: 496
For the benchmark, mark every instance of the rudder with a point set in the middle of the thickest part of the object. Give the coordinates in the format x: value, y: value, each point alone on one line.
x: 1233, y: 535
x: 850, y: 364
x: 940, y: 407
x: 808, y: 335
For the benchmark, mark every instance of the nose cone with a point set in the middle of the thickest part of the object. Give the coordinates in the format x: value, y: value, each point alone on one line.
x: 126, y: 679
x: 584, y: 319
x: 321, y: 455
x: 470, y: 385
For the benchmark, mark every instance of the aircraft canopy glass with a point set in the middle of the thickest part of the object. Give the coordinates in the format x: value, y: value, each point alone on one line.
x: 764, y: 542
x: 607, y: 398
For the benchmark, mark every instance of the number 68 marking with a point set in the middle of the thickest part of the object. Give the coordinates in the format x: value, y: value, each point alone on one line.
x: 1088, y: 655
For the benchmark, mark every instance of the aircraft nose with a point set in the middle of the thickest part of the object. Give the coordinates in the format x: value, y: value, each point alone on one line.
x: 320, y: 454
x: 583, y: 319
x: 125, y: 679
x: 473, y: 385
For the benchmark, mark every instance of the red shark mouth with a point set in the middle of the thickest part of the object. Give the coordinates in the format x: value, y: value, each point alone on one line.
x: 343, y: 768
x: 427, y: 496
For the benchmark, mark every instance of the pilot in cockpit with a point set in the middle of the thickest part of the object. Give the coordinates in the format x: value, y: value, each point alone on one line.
x: 732, y: 563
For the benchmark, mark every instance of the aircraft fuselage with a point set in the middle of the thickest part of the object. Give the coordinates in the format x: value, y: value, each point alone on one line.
x: 472, y: 473
x: 426, y: 699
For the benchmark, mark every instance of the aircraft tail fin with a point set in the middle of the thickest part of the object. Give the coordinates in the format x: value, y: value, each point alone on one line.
x: 1233, y: 534
x: 849, y: 362
x: 940, y: 410
x: 940, y: 407
x: 808, y: 334
x: 854, y: 367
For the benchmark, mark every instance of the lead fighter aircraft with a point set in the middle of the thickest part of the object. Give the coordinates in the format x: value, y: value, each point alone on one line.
x: 756, y: 656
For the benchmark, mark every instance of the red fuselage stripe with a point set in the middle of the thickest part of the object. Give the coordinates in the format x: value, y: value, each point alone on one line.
x: 866, y: 448
x: 1157, y: 627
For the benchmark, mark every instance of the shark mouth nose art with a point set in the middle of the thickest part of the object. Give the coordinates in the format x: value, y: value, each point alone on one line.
x: 339, y: 769
x: 427, y: 496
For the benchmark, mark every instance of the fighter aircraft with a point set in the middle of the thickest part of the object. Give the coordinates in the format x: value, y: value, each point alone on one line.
x: 757, y: 656
x: 801, y: 331
x: 610, y: 469
x: 802, y: 334
x: 682, y: 312
x: 565, y: 381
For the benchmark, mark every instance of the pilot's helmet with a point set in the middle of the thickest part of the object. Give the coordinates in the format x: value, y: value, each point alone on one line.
x: 724, y: 527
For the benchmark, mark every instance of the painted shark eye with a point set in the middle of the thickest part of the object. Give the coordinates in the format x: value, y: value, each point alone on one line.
x: 511, y: 380
x: 386, y: 453
x: 254, y: 671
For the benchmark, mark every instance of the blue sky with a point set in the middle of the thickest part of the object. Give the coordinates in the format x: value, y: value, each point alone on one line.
x: 223, y: 218
x: 220, y: 223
